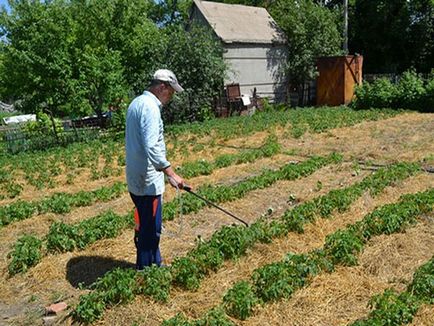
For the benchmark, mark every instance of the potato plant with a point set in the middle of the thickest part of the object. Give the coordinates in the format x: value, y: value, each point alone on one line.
x: 303, y: 120
x: 233, y: 241
x: 203, y: 167
x: 214, y: 317
x: 40, y: 169
x: 393, y: 308
x: 279, y: 280
x: 223, y: 193
x: 59, y: 203
x: 27, y: 252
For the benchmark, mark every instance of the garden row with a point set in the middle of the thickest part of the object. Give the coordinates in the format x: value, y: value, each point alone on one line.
x: 28, y: 250
x: 230, y: 242
x: 63, y: 202
x: 300, y: 120
x: 280, y: 280
x: 392, y: 308
x: 40, y: 169
x: 59, y: 203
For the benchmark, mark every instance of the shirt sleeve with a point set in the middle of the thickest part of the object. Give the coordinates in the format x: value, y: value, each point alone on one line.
x: 153, y: 139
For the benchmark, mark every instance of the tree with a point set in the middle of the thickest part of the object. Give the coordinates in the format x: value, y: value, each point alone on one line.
x: 37, y: 66
x: 196, y: 57
x: 421, y: 35
x: 394, y: 35
x: 75, y: 57
x: 312, y: 31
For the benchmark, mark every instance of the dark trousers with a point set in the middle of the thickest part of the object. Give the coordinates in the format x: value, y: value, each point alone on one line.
x: 147, y: 233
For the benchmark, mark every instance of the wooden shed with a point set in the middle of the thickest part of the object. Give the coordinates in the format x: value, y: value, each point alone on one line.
x: 337, y: 79
x: 254, y: 46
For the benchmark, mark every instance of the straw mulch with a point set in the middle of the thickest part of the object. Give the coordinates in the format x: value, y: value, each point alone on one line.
x: 214, y: 287
x: 406, y: 137
x: 39, y: 225
x: 424, y: 317
x: 53, y: 273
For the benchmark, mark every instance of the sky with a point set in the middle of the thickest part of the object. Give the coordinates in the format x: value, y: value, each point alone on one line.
x: 4, y: 3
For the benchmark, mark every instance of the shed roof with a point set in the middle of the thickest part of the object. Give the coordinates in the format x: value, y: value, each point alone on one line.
x: 240, y: 24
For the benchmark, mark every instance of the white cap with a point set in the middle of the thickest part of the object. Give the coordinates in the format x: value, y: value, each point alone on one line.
x: 168, y: 76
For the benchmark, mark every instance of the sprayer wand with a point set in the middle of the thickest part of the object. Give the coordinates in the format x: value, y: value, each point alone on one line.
x: 188, y: 189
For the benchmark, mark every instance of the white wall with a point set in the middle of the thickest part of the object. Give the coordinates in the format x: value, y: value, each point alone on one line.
x: 257, y: 65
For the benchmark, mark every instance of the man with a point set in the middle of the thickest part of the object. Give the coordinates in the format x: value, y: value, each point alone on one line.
x: 146, y: 164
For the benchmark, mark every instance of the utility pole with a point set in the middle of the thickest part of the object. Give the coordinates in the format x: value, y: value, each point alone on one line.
x: 345, y: 27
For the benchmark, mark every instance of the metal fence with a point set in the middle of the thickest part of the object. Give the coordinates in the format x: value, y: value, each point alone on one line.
x: 16, y: 139
x: 393, y: 77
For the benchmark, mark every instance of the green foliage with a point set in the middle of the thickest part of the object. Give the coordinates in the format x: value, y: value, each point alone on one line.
x: 196, y: 57
x: 215, y: 317
x: 411, y: 92
x: 91, y: 57
x: 38, y: 77
x: 279, y: 280
x: 178, y: 320
x: 379, y: 94
x: 220, y: 194
x: 394, y: 34
x: 26, y: 253
x: 312, y: 31
x: 394, y: 217
x: 43, y: 125
x: 187, y: 273
x: 154, y: 282
x: 63, y: 237
x: 59, y: 203
x: 15, y: 212
x: 90, y: 308
x: 343, y: 246
x: 423, y: 282
x: 232, y: 241
x: 203, y: 167
x: 240, y: 300
x: 391, y: 309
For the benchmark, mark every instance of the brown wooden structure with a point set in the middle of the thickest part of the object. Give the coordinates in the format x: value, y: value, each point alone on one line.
x: 337, y: 78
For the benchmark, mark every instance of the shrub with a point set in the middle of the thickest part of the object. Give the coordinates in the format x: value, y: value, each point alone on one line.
x: 411, y: 92
x: 379, y: 94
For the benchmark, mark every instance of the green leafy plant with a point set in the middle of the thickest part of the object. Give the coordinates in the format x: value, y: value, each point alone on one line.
x: 26, y: 253
x: 391, y: 309
x: 240, y: 300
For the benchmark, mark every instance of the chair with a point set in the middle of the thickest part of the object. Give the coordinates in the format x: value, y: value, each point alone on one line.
x: 233, y: 96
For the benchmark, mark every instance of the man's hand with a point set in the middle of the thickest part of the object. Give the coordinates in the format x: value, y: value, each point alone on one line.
x: 175, y: 180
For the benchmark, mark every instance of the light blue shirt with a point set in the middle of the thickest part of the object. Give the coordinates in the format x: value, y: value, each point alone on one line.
x: 144, y: 146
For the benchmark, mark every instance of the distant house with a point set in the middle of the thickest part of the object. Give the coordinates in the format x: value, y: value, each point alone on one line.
x: 254, y: 46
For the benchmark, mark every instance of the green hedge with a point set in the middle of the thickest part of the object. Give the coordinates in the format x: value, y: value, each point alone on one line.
x: 412, y: 92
